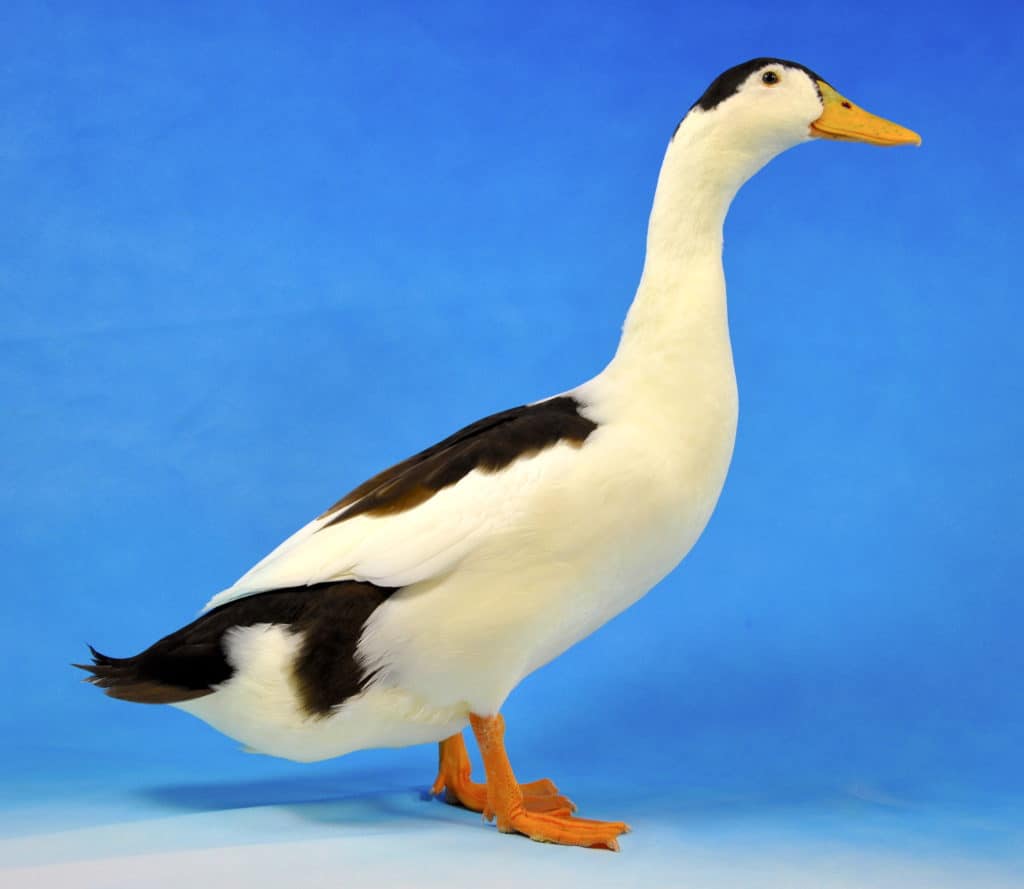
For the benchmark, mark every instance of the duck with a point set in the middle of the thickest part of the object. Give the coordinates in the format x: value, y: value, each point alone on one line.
x: 412, y: 607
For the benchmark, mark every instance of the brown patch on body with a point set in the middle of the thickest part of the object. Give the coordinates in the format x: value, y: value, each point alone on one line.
x: 489, y: 445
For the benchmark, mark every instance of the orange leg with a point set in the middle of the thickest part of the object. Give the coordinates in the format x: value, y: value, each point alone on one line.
x: 453, y: 778
x: 506, y: 799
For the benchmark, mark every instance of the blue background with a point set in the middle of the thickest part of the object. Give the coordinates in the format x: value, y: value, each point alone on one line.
x: 252, y: 253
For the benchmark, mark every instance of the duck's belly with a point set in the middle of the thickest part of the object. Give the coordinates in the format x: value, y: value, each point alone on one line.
x: 261, y: 707
x: 581, y: 554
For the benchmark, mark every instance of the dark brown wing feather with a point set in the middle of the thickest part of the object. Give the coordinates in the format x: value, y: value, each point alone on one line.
x: 489, y: 444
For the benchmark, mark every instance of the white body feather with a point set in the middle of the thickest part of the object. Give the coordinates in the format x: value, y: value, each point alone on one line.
x: 504, y: 571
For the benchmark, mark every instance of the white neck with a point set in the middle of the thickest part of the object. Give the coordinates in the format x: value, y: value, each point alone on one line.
x: 676, y: 334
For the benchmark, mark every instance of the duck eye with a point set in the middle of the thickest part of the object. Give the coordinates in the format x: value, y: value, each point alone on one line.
x: 769, y: 78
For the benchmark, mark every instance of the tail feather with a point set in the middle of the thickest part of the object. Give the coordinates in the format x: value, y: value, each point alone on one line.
x: 127, y: 679
x: 193, y: 661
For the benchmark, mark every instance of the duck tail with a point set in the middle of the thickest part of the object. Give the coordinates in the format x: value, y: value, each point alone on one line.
x: 135, y: 679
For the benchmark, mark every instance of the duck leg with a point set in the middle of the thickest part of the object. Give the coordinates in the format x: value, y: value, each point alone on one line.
x: 505, y: 798
x: 453, y: 779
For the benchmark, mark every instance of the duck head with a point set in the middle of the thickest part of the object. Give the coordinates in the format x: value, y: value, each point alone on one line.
x: 775, y: 104
x: 748, y: 115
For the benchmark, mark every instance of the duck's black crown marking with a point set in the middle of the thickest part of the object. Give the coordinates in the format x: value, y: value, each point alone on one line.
x: 728, y: 82
x: 192, y: 661
x: 489, y: 445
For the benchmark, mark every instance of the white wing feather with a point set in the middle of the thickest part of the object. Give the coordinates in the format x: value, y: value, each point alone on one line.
x: 401, y: 548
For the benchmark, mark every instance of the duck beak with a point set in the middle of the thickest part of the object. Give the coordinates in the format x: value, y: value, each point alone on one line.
x: 843, y: 120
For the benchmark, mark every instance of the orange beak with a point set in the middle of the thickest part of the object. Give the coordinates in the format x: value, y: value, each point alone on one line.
x: 843, y: 120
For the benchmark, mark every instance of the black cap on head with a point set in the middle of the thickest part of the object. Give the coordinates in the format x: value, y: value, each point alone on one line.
x: 728, y: 82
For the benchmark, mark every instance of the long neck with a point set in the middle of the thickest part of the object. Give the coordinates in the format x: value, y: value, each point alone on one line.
x: 677, y: 331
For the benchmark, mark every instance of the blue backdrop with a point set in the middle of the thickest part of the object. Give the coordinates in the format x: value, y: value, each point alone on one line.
x: 252, y: 253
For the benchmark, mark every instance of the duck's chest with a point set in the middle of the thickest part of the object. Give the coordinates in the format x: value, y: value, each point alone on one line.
x: 660, y: 465
x: 647, y: 492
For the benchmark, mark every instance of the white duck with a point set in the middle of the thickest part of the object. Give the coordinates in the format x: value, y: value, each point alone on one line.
x: 418, y: 602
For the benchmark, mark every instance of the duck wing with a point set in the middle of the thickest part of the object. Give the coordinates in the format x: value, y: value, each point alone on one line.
x: 419, y: 518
